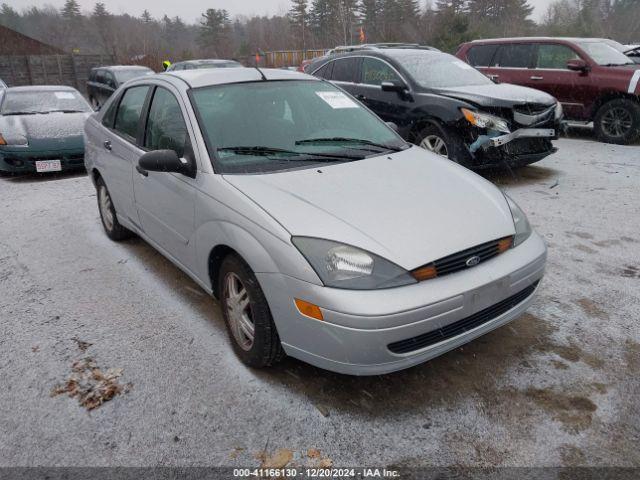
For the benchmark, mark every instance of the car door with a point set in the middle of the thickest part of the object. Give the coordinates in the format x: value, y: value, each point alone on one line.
x: 512, y: 63
x: 120, y: 148
x: 108, y: 87
x: 572, y: 89
x: 345, y: 73
x: 166, y: 201
x: 390, y: 106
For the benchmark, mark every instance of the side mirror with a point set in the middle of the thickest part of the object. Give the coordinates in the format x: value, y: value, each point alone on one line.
x: 397, y: 87
x: 392, y: 126
x: 163, y: 161
x: 578, y: 65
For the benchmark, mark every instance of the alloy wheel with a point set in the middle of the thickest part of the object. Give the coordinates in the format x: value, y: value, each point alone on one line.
x: 105, y: 208
x: 238, y: 308
x: 435, y: 144
x: 616, y: 122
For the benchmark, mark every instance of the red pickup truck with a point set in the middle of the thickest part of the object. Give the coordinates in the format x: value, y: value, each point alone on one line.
x: 592, y: 80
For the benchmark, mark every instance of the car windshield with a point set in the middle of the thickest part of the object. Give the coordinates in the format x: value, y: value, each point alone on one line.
x: 278, y: 125
x: 126, y: 75
x: 43, y: 101
x: 438, y: 70
x: 604, y: 54
x: 229, y: 64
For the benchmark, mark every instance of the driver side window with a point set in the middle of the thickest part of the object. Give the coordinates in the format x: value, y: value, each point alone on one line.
x: 166, y: 128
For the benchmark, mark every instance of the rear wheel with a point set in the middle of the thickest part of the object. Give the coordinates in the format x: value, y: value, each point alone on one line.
x: 112, y: 227
x: 247, y: 315
x: 618, y: 121
x: 444, y: 142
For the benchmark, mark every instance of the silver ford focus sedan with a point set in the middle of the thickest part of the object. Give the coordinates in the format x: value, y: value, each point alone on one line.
x: 322, y: 233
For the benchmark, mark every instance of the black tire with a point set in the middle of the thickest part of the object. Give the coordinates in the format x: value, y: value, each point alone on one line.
x: 618, y: 121
x: 265, y: 349
x: 112, y: 227
x: 456, y: 151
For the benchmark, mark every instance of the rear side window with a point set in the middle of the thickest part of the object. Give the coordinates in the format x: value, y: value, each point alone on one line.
x: 481, y: 55
x: 110, y: 115
x: 344, y: 70
x: 325, y: 71
x: 374, y: 72
x: 515, y: 55
x: 166, y: 128
x: 129, y: 110
x: 555, y: 56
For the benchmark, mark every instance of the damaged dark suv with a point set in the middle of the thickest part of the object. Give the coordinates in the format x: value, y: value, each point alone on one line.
x: 446, y: 106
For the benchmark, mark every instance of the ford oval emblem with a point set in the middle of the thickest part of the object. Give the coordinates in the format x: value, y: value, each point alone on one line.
x: 473, y: 261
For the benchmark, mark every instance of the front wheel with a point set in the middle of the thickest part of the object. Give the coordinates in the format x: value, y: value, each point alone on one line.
x: 618, y: 121
x: 247, y: 315
x: 443, y: 142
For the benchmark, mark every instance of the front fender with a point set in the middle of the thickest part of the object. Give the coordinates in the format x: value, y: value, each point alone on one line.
x: 266, y: 254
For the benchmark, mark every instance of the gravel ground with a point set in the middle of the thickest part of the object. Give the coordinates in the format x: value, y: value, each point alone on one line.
x: 559, y: 386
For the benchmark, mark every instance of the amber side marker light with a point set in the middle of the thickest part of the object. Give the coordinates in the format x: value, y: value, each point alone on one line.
x: 2, y: 140
x: 425, y: 273
x: 309, y: 309
x: 505, y: 244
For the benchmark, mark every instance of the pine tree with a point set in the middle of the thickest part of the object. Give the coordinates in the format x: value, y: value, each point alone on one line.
x: 320, y: 19
x: 214, y: 30
x: 369, y: 15
x: 299, y: 18
x: 146, y: 17
x: 71, y: 10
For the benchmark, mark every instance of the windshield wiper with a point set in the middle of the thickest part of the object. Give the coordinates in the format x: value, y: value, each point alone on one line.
x: 6, y: 114
x: 266, y: 151
x: 361, y: 141
x: 64, y: 111
x: 618, y: 64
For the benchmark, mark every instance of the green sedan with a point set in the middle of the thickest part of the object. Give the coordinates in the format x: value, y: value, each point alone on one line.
x: 41, y: 129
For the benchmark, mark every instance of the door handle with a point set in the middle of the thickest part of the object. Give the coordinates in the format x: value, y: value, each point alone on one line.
x: 142, y: 171
x: 537, y: 78
x: 493, y: 77
x: 361, y: 97
x: 107, y: 144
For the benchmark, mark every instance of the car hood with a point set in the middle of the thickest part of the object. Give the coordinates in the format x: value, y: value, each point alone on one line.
x: 411, y: 207
x: 51, y: 131
x: 502, y: 95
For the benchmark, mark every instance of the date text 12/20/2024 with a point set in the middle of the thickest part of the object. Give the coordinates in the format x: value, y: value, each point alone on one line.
x: 315, y: 473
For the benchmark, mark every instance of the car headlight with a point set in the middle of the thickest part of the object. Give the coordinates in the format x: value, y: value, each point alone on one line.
x: 344, y: 266
x: 523, y: 229
x: 559, y: 112
x: 485, y: 120
x: 14, y: 140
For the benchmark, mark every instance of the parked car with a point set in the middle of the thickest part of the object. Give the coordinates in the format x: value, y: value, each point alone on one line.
x: 442, y: 104
x: 199, y: 64
x: 633, y: 52
x: 320, y: 230
x: 41, y: 129
x: 103, y: 81
x: 593, y: 81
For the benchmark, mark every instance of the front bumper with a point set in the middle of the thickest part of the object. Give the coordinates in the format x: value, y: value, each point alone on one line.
x: 359, y: 326
x: 518, y: 148
x: 24, y: 161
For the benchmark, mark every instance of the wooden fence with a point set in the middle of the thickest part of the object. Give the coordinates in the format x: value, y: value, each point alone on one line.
x: 71, y: 70
x: 290, y: 58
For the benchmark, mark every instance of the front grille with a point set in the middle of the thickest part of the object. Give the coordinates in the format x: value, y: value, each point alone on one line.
x: 531, y: 108
x: 458, y: 261
x: 461, y: 326
x: 527, y: 146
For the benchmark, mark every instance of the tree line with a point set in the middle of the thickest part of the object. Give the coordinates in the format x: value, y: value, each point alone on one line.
x: 315, y: 24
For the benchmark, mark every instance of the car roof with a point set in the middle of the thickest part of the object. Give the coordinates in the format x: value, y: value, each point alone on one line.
x: 222, y: 76
x: 122, y: 67
x: 538, y: 39
x: 41, y: 88
x: 393, y: 53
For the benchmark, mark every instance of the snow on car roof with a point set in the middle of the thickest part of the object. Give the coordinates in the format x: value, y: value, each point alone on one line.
x: 204, y: 78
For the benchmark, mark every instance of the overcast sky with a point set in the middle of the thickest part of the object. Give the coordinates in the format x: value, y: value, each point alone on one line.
x: 190, y: 10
